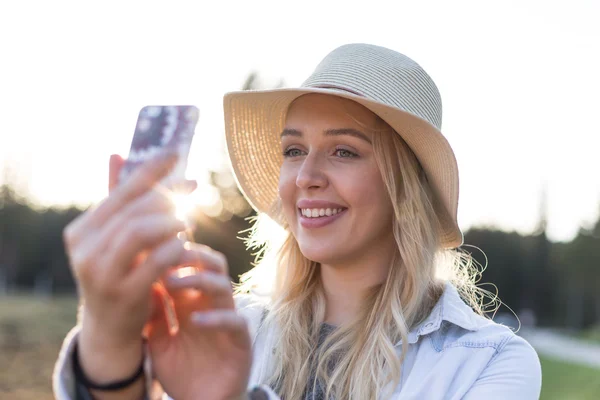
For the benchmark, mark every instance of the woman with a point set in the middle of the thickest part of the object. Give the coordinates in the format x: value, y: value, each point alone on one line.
x: 368, y: 289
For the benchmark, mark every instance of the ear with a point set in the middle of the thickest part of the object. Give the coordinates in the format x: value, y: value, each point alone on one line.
x: 114, y: 169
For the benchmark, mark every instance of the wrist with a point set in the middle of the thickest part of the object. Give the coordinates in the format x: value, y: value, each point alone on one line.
x: 104, y: 359
x: 112, y: 386
x: 102, y: 333
x: 100, y: 336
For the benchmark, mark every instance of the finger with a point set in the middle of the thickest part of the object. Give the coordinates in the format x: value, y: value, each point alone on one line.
x: 156, y: 200
x: 115, y: 164
x: 114, y: 169
x: 153, y: 202
x: 143, y: 178
x: 159, y: 198
x: 135, y: 236
x: 203, y: 257
x: 216, y: 286
x: 223, y: 320
x: 158, y: 261
x: 196, y: 257
x: 185, y: 300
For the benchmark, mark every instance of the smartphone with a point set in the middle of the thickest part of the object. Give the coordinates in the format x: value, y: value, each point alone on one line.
x: 158, y: 128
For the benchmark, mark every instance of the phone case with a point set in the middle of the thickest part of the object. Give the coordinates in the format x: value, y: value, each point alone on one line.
x: 157, y: 128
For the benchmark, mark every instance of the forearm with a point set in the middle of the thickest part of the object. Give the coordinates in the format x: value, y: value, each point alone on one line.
x: 103, y: 362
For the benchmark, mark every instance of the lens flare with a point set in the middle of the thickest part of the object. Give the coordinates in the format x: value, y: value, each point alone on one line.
x: 184, y: 205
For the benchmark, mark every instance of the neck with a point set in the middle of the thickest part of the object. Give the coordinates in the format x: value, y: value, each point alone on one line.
x: 346, y: 284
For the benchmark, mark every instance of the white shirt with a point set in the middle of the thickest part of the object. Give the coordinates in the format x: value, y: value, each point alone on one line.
x: 453, y: 354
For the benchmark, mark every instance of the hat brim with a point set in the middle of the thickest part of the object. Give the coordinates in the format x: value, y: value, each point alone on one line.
x: 254, y: 121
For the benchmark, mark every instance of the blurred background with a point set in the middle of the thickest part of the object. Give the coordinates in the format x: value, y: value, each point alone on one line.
x: 519, y: 82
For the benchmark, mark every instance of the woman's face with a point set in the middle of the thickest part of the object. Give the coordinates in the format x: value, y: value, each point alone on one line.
x: 331, y: 189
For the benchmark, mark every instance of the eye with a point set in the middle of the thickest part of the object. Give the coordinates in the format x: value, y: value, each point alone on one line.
x: 292, y: 152
x: 343, y: 153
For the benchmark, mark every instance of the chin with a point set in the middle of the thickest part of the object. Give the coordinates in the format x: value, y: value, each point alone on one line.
x: 322, y: 254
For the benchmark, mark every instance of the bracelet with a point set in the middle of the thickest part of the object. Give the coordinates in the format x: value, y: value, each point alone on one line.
x: 112, y: 386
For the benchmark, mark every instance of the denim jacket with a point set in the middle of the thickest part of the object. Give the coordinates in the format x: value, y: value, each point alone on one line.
x: 453, y: 354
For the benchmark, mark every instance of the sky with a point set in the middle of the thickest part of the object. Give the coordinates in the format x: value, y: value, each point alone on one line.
x: 519, y: 83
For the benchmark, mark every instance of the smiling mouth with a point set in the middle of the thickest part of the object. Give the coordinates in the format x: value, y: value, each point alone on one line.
x: 320, y: 212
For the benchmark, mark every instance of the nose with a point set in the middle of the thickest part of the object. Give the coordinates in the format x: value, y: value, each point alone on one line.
x: 311, y: 174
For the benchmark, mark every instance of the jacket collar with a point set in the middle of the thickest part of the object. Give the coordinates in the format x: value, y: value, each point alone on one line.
x: 451, y: 308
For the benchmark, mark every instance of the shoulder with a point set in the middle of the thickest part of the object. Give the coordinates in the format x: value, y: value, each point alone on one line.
x: 453, y: 323
x: 489, y: 359
x: 490, y: 351
x: 510, y: 347
x: 252, y: 307
x: 482, y: 333
x: 507, y: 344
x: 512, y: 371
x: 519, y: 353
x: 506, y: 356
x: 250, y: 301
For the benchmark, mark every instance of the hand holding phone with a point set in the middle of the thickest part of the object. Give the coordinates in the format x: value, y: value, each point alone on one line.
x: 160, y: 128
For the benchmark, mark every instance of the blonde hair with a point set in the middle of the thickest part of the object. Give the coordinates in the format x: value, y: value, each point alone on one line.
x: 359, y: 360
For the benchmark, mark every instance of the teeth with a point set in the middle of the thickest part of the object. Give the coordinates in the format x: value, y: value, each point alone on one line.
x: 319, y: 212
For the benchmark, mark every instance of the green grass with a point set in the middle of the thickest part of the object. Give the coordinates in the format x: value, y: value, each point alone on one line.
x: 592, y: 335
x: 566, y: 381
x: 32, y: 330
x: 31, y: 333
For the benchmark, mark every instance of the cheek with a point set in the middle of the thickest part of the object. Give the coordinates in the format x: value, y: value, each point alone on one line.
x: 287, y: 187
x: 365, y: 189
x: 374, y: 205
x: 380, y: 197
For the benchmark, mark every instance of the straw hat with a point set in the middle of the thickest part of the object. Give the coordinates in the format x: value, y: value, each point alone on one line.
x: 384, y: 81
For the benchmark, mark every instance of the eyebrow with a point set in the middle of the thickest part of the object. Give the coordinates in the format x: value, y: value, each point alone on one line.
x: 330, y: 132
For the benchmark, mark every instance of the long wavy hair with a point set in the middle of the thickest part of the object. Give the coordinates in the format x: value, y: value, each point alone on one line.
x: 359, y: 360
